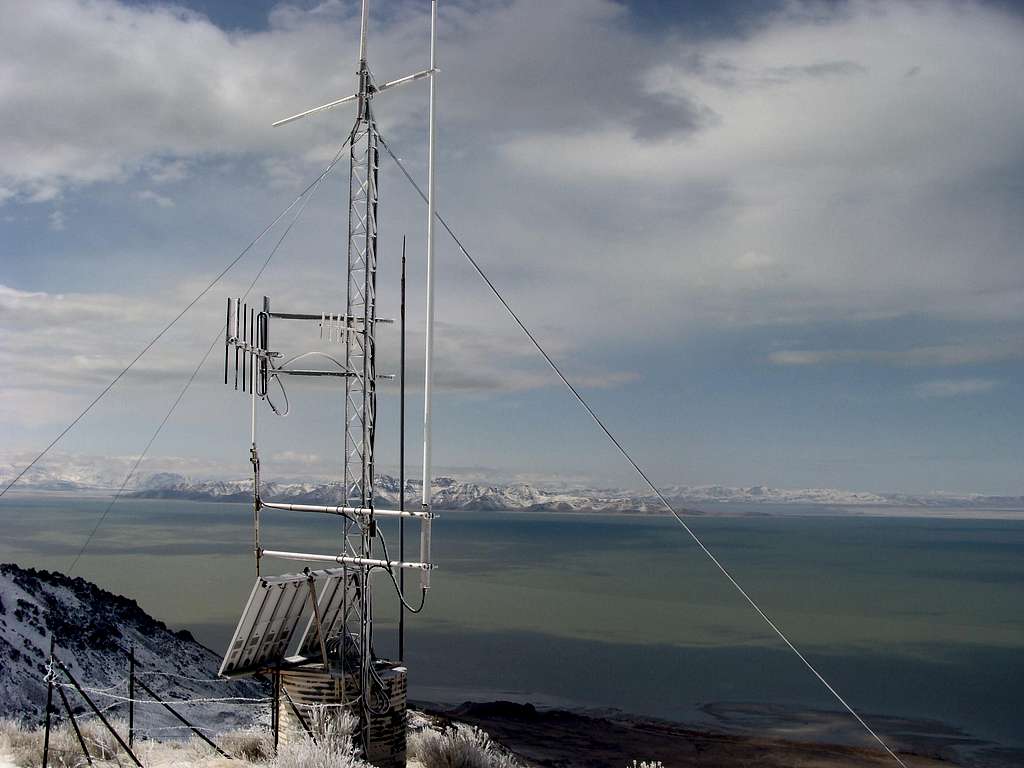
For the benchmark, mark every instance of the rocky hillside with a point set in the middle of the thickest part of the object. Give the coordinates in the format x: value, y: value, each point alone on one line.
x: 93, y: 630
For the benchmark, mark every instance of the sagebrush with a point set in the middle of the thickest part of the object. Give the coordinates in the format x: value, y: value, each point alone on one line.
x: 459, y: 746
x: 25, y: 745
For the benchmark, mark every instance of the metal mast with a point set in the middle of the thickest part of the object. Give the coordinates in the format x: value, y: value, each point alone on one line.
x: 360, y: 384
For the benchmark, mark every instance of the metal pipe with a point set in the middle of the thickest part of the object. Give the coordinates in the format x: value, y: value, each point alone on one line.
x: 245, y: 339
x: 227, y: 342
x: 49, y: 706
x: 344, y: 511
x: 428, y: 376
x: 131, y: 696
x: 237, y: 321
x: 275, y: 715
x: 346, y: 99
x: 312, y: 372
x: 401, y: 461
x: 316, y: 615
x: 343, y: 559
x: 363, y: 23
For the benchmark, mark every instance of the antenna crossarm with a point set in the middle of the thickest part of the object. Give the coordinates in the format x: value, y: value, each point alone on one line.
x: 355, y: 96
x: 345, y: 511
x: 345, y: 560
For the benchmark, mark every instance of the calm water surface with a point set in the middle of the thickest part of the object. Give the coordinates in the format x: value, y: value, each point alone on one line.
x: 917, y: 618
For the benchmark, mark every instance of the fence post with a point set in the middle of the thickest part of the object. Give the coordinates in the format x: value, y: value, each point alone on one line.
x: 275, y: 716
x: 131, y: 696
x: 97, y: 712
x: 74, y: 724
x: 49, y: 704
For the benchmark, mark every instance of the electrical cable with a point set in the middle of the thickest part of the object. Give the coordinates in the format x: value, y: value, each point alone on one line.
x: 391, y: 572
x: 311, y: 190
x: 597, y: 419
x: 169, y: 325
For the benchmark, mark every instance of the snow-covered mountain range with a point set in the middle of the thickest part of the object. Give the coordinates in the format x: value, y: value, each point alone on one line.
x: 450, y: 493
x: 92, y: 475
x: 92, y: 630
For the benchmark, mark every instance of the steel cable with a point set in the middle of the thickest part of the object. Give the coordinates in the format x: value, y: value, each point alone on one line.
x: 311, y: 190
x: 597, y: 419
x: 169, y: 325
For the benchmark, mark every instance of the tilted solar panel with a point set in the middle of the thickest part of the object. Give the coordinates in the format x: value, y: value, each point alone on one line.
x: 276, y: 607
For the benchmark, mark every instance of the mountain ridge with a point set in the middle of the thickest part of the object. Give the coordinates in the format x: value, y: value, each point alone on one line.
x: 93, y: 631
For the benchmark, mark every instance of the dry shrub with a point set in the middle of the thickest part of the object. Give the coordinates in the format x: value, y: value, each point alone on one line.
x: 332, y: 727
x: 459, y: 746
x: 26, y: 745
x: 309, y: 754
x: 333, y: 730
x: 255, y: 745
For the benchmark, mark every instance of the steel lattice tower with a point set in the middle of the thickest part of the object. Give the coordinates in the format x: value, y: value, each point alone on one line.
x: 360, y: 365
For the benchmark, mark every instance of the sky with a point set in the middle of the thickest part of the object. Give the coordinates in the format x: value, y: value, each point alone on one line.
x: 774, y: 243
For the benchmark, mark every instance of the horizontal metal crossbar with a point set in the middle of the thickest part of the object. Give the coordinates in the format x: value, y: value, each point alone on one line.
x: 345, y: 560
x: 353, y: 97
x: 341, y: 510
x: 312, y: 372
x: 306, y: 316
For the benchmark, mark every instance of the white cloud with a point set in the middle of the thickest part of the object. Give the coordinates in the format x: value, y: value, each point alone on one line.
x: 975, y: 353
x: 882, y: 194
x: 955, y: 387
x: 156, y: 198
x: 95, y: 91
x: 753, y: 261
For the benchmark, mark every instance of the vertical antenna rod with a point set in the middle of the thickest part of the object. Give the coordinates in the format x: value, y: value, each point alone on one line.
x: 363, y: 21
x: 428, y: 375
x: 401, y: 464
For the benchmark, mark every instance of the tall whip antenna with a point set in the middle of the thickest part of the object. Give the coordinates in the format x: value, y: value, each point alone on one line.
x: 428, y: 369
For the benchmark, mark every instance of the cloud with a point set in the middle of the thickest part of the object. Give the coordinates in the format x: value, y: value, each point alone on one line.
x: 156, y: 198
x: 883, y: 195
x: 954, y: 387
x: 975, y: 353
x: 152, y: 86
x: 627, y: 189
x: 753, y: 261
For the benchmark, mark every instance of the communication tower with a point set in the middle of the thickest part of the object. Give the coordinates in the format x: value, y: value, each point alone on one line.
x: 312, y: 631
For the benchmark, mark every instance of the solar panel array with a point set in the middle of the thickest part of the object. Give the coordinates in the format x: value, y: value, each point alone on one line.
x: 276, y: 607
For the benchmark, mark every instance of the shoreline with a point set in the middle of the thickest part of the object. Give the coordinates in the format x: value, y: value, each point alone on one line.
x: 753, y: 510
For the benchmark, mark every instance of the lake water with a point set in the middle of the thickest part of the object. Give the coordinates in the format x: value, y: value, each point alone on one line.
x: 909, y: 618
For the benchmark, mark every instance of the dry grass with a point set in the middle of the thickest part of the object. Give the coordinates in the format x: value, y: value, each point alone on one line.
x: 333, y: 730
x: 459, y: 746
x: 307, y: 754
x: 255, y: 745
x: 26, y: 745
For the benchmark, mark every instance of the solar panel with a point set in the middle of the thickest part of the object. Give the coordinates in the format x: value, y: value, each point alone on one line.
x: 276, y: 607
x: 332, y: 603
